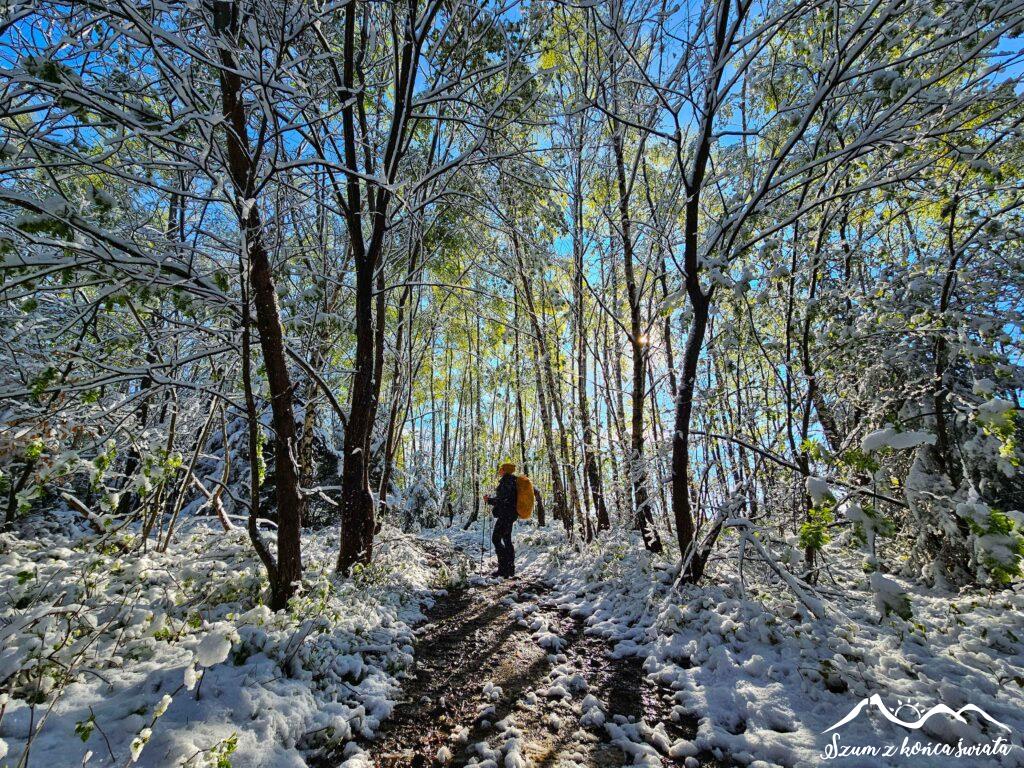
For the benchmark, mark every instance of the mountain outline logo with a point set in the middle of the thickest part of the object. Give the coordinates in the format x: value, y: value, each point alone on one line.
x: 876, y: 702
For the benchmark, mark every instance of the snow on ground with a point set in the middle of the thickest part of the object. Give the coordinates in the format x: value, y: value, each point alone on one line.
x: 765, y: 679
x: 169, y: 658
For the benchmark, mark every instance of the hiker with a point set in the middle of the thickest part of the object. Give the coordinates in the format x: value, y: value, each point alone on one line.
x: 505, y: 514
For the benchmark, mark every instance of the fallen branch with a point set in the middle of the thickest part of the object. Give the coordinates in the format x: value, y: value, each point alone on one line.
x: 94, y: 520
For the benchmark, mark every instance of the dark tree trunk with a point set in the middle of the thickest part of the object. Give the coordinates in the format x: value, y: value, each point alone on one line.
x: 682, y: 507
x: 268, y: 316
x: 561, y: 509
x: 591, y: 471
x: 940, y: 392
x: 644, y: 520
x: 520, y: 417
x: 700, y: 302
x: 357, y: 509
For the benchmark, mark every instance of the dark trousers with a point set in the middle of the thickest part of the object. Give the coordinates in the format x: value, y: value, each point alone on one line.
x: 502, y: 540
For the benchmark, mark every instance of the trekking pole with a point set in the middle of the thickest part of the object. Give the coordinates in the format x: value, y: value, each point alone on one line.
x: 483, y: 543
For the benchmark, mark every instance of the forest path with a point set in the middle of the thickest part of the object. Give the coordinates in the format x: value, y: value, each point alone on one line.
x: 501, y: 675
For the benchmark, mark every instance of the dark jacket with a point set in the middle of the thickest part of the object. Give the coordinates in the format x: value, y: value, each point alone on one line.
x: 504, y: 499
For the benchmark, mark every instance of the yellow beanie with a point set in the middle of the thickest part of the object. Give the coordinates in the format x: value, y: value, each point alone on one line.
x: 507, y: 468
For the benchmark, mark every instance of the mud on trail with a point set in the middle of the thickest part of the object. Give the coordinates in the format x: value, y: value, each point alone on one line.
x: 500, y: 675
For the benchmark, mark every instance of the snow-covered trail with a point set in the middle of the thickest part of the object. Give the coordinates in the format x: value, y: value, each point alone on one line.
x: 503, y: 678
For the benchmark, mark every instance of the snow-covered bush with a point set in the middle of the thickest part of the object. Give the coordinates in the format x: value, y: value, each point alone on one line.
x: 155, y: 657
x: 418, y: 504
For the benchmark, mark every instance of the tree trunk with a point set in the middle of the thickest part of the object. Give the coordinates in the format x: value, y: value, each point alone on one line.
x: 286, y: 476
x: 682, y: 509
x: 539, y: 502
x: 700, y: 303
x: 268, y: 315
x: 591, y: 473
x: 555, y: 398
x: 357, y: 509
x: 561, y: 511
x: 644, y: 520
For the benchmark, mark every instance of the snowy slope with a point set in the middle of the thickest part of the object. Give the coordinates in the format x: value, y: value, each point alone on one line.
x: 100, y: 641
x: 766, y: 680
x: 169, y: 657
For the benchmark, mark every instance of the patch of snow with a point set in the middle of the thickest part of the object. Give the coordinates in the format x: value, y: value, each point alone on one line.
x: 819, y: 490
x: 889, y: 437
x: 212, y: 649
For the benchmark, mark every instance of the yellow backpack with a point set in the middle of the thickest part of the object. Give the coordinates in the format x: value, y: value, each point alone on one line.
x: 524, y: 497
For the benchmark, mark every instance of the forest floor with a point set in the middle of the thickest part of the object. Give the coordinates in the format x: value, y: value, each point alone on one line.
x: 501, y: 674
x: 594, y: 656
x: 594, y: 659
